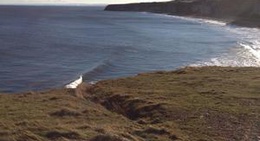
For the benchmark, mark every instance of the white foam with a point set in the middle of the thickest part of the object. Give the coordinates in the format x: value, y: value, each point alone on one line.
x: 252, y: 49
x: 197, y: 20
x: 74, y: 84
x: 243, y: 56
x: 214, y: 22
x: 245, y: 53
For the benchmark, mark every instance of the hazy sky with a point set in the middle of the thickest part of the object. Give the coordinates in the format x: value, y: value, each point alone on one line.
x: 72, y: 1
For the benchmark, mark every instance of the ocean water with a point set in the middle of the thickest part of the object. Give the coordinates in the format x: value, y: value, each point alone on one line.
x: 44, y: 47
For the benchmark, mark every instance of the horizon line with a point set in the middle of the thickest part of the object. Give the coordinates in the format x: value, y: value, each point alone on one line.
x: 53, y: 4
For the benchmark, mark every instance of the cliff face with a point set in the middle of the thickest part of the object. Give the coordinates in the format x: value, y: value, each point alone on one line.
x: 240, y: 12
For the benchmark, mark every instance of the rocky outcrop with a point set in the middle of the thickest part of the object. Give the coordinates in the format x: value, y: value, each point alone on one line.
x: 240, y: 12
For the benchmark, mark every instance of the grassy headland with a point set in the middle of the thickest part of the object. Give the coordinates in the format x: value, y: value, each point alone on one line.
x: 238, y: 12
x: 193, y: 104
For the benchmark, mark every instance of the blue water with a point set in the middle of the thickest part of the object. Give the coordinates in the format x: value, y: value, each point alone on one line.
x: 47, y: 47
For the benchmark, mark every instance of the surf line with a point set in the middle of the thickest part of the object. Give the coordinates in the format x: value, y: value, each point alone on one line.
x: 75, y: 84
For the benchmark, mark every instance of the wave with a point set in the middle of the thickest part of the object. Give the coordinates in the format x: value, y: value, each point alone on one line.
x: 197, y: 20
x: 242, y: 55
x: 214, y: 22
x: 245, y: 53
x: 74, y: 84
x: 93, y: 75
x: 253, y: 49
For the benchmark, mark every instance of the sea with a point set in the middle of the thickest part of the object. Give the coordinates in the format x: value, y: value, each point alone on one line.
x: 45, y: 47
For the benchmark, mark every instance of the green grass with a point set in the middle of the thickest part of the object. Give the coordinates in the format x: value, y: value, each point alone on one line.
x: 209, y: 103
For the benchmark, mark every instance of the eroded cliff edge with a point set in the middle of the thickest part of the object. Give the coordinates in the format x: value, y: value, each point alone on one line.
x: 189, y: 104
x: 239, y: 12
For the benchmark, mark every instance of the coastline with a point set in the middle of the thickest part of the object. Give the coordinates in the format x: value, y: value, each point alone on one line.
x: 193, y: 103
x: 235, y: 12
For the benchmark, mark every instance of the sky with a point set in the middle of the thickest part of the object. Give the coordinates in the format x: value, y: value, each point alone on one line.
x: 73, y: 1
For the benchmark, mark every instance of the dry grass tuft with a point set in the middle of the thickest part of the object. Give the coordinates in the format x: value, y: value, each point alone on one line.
x: 65, y: 112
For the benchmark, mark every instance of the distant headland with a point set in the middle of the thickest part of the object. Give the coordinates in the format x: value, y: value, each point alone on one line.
x: 238, y: 12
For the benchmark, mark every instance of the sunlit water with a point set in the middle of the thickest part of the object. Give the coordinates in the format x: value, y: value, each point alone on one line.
x: 47, y: 47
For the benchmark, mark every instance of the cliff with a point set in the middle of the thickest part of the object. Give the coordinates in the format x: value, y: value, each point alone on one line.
x: 239, y: 12
x: 190, y: 104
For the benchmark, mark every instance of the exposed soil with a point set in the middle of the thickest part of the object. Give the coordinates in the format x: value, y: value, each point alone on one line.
x: 190, y: 104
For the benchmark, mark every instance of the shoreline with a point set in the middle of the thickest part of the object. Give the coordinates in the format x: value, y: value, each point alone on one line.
x: 65, y: 87
x: 209, y: 20
x: 235, y: 12
x: 188, y: 103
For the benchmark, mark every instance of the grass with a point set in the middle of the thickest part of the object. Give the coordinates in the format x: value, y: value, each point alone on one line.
x: 209, y: 103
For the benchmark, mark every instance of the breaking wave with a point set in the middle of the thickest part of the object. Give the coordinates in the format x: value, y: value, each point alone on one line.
x: 245, y: 53
x: 197, y: 20
x: 106, y: 45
